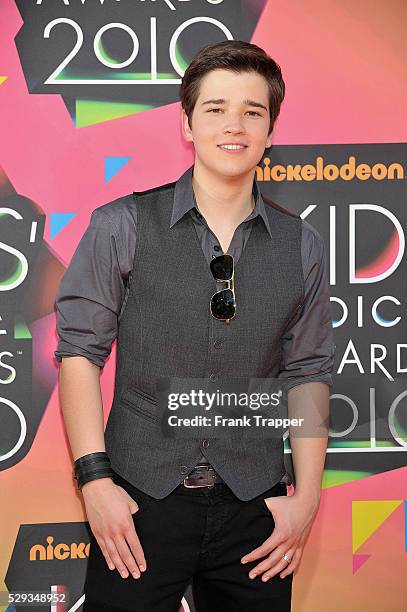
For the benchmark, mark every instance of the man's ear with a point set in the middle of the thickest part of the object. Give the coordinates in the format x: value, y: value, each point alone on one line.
x: 186, y: 130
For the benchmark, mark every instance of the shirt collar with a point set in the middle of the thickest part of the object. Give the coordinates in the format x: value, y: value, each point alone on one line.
x: 184, y: 199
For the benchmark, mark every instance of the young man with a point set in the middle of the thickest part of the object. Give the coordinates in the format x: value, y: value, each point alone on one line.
x: 168, y: 511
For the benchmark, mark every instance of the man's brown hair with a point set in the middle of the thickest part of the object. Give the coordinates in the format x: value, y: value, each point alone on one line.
x: 237, y: 56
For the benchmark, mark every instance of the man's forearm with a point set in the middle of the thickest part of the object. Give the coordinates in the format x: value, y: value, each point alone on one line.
x: 81, y: 403
x: 309, y: 401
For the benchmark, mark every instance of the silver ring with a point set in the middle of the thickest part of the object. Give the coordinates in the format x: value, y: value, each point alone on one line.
x: 287, y: 558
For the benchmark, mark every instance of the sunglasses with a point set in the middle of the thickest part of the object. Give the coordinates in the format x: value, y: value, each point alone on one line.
x: 223, y: 302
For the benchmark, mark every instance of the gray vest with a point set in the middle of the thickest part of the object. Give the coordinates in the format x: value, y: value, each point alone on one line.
x: 166, y: 330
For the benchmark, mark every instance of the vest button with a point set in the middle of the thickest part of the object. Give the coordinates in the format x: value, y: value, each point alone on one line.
x: 184, y: 469
x: 205, y: 443
x: 217, y: 343
x: 213, y: 377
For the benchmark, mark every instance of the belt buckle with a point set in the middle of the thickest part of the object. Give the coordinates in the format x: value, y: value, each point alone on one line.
x: 197, y: 486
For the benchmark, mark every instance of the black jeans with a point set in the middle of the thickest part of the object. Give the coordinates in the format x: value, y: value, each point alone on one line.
x: 192, y: 536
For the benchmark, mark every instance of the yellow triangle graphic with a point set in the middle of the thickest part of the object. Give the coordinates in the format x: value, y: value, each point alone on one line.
x: 91, y: 112
x: 367, y: 516
x: 2, y: 79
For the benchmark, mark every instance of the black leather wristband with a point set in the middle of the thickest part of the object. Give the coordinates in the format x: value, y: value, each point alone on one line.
x: 91, y: 457
x: 91, y: 467
x: 95, y: 475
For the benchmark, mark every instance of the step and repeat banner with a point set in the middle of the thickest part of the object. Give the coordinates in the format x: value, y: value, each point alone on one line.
x: 89, y: 111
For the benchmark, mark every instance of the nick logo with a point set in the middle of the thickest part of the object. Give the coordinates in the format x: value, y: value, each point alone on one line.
x: 60, y: 551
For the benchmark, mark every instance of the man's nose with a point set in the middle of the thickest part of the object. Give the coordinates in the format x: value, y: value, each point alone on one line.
x: 233, y: 125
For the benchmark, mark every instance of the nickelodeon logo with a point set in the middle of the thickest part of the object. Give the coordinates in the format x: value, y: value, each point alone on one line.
x: 61, y: 551
x: 329, y: 172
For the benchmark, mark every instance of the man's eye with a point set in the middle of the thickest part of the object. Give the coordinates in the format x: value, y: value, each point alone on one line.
x: 218, y: 109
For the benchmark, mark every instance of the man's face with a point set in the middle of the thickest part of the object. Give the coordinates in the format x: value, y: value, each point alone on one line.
x: 234, y: 121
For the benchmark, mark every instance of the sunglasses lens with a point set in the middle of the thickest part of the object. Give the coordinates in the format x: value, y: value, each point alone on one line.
x: 223, y: 305
x: 222, y: 267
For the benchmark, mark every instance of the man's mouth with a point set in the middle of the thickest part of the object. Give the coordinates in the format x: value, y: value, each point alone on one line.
x: 232, y: 147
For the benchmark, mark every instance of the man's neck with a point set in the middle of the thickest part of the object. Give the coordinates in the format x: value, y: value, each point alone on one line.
x: 223, y: 202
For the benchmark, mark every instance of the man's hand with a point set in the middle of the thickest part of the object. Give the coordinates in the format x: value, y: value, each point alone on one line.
x: 293, y: 517
x: 109, y: 508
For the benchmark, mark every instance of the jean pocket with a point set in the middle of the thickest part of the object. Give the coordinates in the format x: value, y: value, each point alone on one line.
x: 264, y: 506
x: 276, y: 491
x: 140, y: 497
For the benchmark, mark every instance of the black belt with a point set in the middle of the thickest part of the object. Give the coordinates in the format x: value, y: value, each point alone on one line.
x: 203, y: 475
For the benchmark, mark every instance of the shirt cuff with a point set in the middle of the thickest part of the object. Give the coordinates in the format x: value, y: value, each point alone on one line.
x: 289, y: 383
x: 93, y: 358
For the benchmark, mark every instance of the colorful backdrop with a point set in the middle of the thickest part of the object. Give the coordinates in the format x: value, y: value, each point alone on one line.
x: 89, y: 111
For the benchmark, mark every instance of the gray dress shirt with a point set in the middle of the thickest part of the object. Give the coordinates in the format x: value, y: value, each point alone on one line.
x: 93, y: 290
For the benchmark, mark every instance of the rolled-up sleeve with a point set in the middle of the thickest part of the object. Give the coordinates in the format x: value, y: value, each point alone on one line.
x: 91, y: 293
x: 308, y: 345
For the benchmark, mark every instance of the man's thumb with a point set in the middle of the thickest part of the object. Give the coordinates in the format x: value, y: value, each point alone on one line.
x: 133, y: 505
